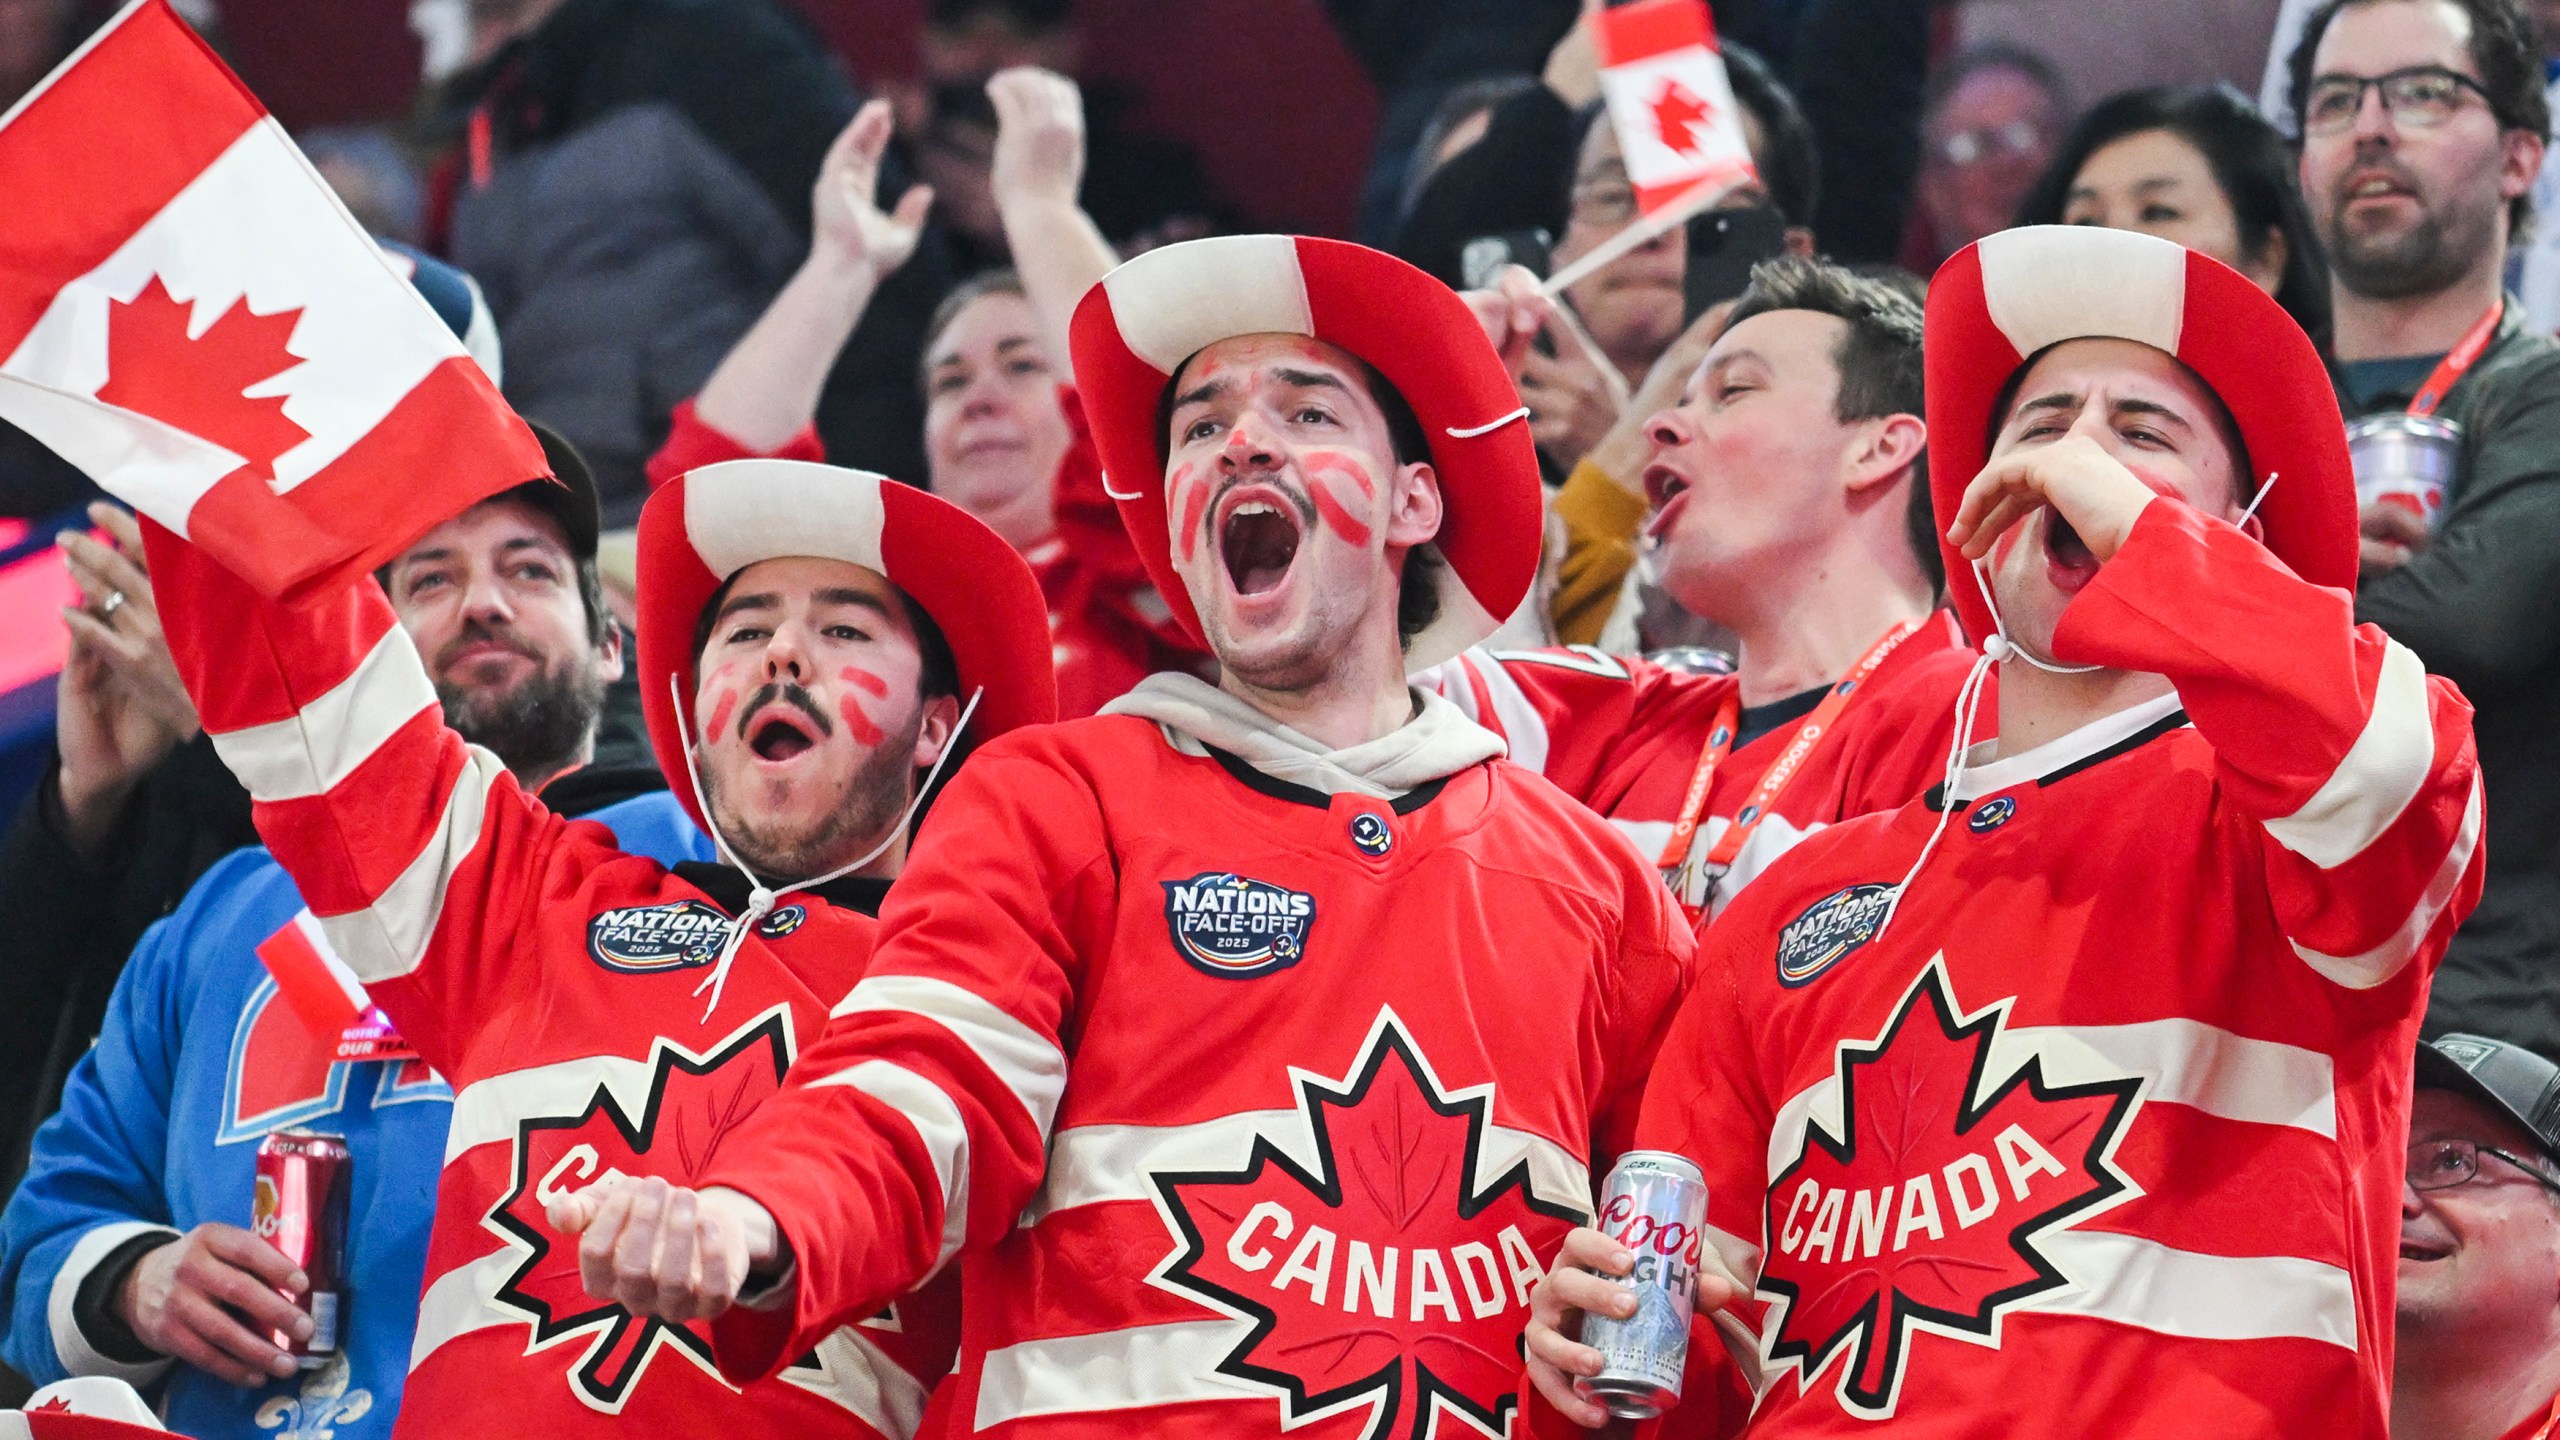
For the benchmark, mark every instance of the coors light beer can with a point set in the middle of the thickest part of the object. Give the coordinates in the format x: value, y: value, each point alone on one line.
x: 301, y: 1209
x: 1656, y: 1206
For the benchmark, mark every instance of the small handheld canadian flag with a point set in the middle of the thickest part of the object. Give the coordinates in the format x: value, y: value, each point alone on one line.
x: 189, y: 315
x: 325, y: 995
x: 1669, y: 101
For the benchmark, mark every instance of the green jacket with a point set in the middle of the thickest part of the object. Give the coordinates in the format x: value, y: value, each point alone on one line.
x: 2481, y: 606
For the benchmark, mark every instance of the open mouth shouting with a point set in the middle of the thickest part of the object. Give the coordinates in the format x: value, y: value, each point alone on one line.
x: 2067, y: 559
x: 783, y: 724
x: 1668, y: 489
x: 1259, y: 528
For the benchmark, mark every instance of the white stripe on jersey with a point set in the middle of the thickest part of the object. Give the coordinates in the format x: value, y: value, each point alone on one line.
x: 2144, y: 1283
x: 311, y: 752
x: 2363, y: 972
x: 1097, y: 1164
x: 938, y: 1124
x: 1114, y: 1370
x: 2379, y: 776
x: 1029, y: 1066
x: 389, y: 937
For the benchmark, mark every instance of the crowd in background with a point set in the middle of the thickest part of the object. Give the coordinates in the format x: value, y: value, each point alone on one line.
x: 695, y: 234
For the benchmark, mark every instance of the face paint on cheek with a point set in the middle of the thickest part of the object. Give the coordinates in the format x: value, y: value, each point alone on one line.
x: 1195, y: 501
x: 864, y: 680
x: 722, y: 708
x: 1342, y: 521
x: 857, y: 724
x: 1334, y: 464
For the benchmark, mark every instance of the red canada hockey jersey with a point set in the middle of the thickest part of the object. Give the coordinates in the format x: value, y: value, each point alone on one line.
x: 1624, y: 737
x: 1257, y: 1107
x: 2103, y: 1133
x: 1111, y: 628
x: 551, y: 979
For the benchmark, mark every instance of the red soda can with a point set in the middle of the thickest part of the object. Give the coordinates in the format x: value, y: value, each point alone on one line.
x: 1656, y: 1206
x: 301, y: 1209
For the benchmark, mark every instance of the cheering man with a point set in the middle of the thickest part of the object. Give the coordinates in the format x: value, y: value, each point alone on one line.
x: 1254, y: 1041
x: 1991, y: 1091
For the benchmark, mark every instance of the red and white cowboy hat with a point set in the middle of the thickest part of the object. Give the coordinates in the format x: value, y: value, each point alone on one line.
x: 1136, y: 328
x: 2004, y: 299
x: 708, y: 524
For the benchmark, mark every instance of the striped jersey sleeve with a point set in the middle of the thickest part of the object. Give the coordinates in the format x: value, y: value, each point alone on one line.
x: 417, y: 853
x: 920, y: 1119
x: 2330, y: 735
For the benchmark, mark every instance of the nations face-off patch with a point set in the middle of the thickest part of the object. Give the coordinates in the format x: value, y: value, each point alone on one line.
x: 1828, y: 929
x: 644, y: 939
x: 1236, y: 928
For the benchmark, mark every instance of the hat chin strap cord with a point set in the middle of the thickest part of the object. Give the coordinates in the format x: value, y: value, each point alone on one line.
x: 1969, y: 704
x: 761, y: 898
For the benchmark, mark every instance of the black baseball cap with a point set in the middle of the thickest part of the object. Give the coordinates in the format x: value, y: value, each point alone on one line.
x: 2509, y: 1079
x: 572, y: 502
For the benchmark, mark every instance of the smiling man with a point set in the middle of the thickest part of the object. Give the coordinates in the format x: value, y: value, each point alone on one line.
x: 1250, y: 1045
x: 2478, y: 1353
x: 1987, y: 1089
x: 815, y: 645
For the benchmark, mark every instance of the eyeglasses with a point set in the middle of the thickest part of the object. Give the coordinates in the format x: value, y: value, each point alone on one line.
x: 2443, y: 1164
x: 2418, y: 98
x: 1604, y: 204
x: 2018, y: 137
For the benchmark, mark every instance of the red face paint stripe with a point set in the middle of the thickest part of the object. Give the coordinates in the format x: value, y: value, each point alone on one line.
x: 864, y: 680
x: 1194, y: 504
x: 856, y: 723
x: 1340, y: 519
x: 720, y: 713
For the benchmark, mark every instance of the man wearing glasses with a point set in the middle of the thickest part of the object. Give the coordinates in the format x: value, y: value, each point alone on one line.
x: 2479, y: 1331
x: 2423, y: 124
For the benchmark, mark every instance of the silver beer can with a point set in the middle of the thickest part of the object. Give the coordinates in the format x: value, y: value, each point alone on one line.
x: 1656, y: 1206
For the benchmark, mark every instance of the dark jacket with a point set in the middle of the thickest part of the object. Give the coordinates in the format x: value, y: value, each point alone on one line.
x: 2481, y: 606
x: 649, y: 192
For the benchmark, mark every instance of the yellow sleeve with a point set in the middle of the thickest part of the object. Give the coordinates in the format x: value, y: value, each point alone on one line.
x: 1601, y: 518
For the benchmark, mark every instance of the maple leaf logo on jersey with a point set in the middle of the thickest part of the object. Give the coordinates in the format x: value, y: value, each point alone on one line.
x: 197, y: 384
x: 1925, y: 1212
x: 1386, y: 1277
x: 1676, y: 116
x: 693, y: 1105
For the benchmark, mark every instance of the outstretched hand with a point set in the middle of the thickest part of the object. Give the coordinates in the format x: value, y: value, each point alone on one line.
x: 1039, y: 155
x: 664, y: 1250
x: 2082, y: 482
x: 845, y: 214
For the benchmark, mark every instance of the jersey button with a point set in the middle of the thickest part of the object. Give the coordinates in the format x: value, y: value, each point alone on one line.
x: 1370, y: 835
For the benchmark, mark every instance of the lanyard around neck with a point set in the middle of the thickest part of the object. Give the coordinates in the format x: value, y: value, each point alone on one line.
x: 2458, y: 360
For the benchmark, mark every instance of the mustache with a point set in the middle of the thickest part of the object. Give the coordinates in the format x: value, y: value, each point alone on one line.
x: 1295, y: 494
x: 476, y: 633
x: 785, y: 693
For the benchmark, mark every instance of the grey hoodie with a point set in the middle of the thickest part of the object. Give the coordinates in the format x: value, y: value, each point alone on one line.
x: 1438, y: 741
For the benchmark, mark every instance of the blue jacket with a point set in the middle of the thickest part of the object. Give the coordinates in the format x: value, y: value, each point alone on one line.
x: 159, y: 1131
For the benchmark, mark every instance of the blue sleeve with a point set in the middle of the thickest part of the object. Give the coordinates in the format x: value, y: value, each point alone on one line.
x: 96, y: 1176
x: 655, y: 825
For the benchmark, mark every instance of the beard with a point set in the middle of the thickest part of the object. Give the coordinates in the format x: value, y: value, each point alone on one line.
x: 2433, y: 254
x: 870, y: 802
x: 535, y: 727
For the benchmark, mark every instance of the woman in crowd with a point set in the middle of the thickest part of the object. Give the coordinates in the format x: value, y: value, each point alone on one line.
x: 2198, y: 165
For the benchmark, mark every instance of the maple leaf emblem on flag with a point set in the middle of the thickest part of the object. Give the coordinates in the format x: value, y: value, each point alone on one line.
x: 1926, y: 1211
x: 198, y: 384
x: 1385, y: 1277
x: 693, y: 1105
x: 1676, y: 115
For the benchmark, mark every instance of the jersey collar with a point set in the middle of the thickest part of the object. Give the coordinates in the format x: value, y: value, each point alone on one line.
x: 2099, y: 740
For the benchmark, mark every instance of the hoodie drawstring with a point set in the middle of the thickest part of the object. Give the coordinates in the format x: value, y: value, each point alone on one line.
x: 761, y: 898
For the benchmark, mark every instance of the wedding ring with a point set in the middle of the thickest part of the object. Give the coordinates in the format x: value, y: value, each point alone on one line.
x: 115, y: 601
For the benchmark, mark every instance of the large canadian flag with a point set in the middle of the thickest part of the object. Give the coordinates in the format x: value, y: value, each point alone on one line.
x: 190, y: 316
x: 1669, y: 101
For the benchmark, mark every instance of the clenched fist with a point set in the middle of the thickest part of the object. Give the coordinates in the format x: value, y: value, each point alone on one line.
x: 666, y: 1251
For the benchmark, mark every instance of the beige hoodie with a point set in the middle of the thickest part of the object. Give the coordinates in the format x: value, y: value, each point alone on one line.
x: 1438, y: 741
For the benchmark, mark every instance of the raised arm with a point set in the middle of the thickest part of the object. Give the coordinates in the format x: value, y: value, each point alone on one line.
x: 1039, y: 163
x: 764, y: 395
